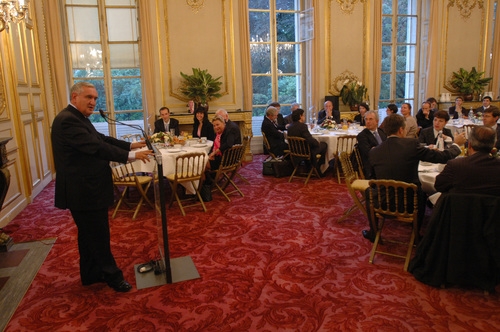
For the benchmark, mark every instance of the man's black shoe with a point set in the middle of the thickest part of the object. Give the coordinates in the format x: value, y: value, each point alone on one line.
x: 121, y: 286
x: 368, y: 235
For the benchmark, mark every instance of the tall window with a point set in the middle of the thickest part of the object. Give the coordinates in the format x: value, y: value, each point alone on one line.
x: 399, y: 50
x: 104, y: 50
x: 276, y: 53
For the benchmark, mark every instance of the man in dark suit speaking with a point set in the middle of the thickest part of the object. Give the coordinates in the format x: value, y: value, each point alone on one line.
x: 84, y: 183
x: 166, y: 123
x: 432, y: 136
x: 397, y: 159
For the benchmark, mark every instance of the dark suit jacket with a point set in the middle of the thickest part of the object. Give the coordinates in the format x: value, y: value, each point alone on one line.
x: 481, y: 109
x: 474, y: 174
x: 160, y: 126
x: 427, y: 135
x: 497, y: 144
x: 207, y: 130
x: 366, y: 141
x: 422, y: 121
x: 360, y: 119
x: 454, y: 114
x: 322, y: 116
x: 397, y: 158
x: 230, y: 136
x: 81, y: 157
x: 281, y: 122
x: 299, y: 129
x: 275, y: 138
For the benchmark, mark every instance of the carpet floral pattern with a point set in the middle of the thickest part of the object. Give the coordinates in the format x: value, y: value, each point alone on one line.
x: 274, y: 260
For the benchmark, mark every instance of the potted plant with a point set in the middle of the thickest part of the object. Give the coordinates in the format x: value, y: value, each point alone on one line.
x: 353, y: 93
x: 200, y: 87
x: 469, y: 83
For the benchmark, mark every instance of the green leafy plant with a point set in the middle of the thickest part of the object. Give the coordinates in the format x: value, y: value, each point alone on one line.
x: 469, y: 82
x: 352, y: 92
x: 200, y: 87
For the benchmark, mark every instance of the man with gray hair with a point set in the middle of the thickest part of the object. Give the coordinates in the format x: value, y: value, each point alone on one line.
x: 478, y: 173
x: 368, y: 138
x: 274, y: 136
x: 232, y: 129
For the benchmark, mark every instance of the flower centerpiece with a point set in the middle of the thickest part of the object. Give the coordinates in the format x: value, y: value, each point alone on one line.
x: 161, y: 137
x: 329, y: 124
x: 353, y: 92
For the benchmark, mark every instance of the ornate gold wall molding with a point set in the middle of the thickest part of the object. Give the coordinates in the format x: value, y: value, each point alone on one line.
x: 195, y: 5
x: 347, y: 6
x: 465, y: 7
x: 338, y: 82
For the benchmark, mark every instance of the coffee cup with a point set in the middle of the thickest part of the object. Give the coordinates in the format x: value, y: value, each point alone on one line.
x: 203, y: 140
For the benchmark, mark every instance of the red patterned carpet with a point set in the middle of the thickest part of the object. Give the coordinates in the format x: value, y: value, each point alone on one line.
x: 274, y: 260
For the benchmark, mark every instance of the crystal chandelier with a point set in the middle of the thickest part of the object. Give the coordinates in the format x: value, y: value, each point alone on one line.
x: 12, y: 11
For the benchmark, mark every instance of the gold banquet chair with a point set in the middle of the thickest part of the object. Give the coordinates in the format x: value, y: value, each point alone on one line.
x: 403, y: 207
x: 230, y: 163
x: 299, y: 152
x: 246, y: 143
x: 355, y: 186
x: 344, y: 144
x: 189, y: 168
x: 269, y: 152
x: 125, y: 176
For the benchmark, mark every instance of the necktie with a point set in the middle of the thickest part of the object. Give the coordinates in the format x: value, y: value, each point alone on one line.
x: 440, y: 141
x: 377, y: 137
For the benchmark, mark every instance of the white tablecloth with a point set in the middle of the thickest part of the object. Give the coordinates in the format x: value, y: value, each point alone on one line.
x: 330, y: 138
x: 168, y: 156
x: 427, y: 173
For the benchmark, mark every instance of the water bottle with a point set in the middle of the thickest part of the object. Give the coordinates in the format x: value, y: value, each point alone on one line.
x: 471, y: 115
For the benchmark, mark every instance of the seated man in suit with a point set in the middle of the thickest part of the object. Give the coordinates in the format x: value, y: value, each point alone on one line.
x: 328, y: 113
x: 166, y: 123
x: 431, y: 136
x: 397, y: 158
x: 280, y: 120
x: 478, y: 173
x: 288, y: 119
x: 299, y: 129
x: 490, y: 119
x: 274, y: 136
x: 425, y: 115
x: 486, y: 105
x: 367, y: 139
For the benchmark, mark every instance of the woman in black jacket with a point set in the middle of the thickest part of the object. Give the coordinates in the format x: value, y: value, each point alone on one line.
x: 202, y: 127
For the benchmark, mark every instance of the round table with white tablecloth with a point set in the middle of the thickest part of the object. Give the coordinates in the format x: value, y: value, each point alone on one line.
x: 169, y: 155
x: 331, y: 138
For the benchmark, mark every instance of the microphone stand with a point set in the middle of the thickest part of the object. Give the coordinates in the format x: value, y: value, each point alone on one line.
x: 161, y: 189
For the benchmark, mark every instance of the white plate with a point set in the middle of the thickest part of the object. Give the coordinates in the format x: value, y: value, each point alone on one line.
x: 200, y: 145
x: 174, y: 150
x: 317, y: 134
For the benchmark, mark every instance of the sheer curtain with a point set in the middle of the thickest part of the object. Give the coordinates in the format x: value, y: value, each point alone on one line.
x: 56, y: 52
x: 433, y: 50
x: 147, y: 59
x: 246, y: 64
x: 495, y: 61
x: 377, y: 51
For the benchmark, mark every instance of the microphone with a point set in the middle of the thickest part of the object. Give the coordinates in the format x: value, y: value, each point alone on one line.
x: 107, y: 119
